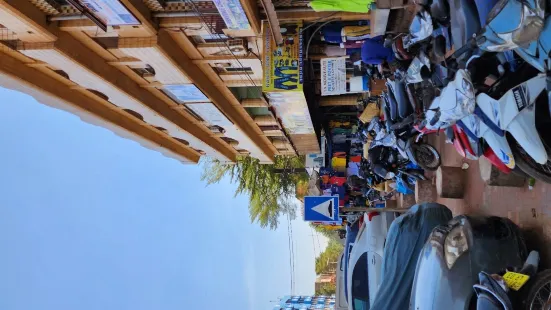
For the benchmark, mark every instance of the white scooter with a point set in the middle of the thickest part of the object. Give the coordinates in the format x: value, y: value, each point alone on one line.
x: 514, y: 112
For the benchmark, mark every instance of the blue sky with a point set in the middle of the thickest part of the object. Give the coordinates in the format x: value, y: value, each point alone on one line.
x: 89, y: 220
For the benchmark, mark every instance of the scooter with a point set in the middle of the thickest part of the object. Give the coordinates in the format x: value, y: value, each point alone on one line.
x: 521, y: 289
x: 514, y: 112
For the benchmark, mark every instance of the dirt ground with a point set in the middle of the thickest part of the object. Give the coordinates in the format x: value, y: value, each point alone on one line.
x: 530, y: 209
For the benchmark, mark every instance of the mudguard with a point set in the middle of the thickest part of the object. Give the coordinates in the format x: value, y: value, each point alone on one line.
x: 475, y: 127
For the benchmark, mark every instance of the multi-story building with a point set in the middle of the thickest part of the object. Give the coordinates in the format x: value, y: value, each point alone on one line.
x: 183, y: 77
x: 305, y: 302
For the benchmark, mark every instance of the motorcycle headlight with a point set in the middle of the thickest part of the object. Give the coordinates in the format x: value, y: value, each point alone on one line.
x: 468, y: 88
x: 389, y: 175
x: 466, y: 103
x: 455, y: 245
x: 531, y: 26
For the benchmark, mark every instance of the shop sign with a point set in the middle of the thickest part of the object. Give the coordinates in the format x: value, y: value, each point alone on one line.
x: 186, y: 93
x: 283, y: 68
x: 333, y: 76
x: 316, y: 160
x: 106, y: 12
x: 210, y: 113
x: 233, y: 15
x: 292, y: 109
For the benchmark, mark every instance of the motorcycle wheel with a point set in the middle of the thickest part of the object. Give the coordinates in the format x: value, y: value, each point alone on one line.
x: 535, y: 295
x: 527, y: 164
x: 425, y: 156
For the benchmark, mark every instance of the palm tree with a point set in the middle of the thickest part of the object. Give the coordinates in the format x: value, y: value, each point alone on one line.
x: 271, y: 187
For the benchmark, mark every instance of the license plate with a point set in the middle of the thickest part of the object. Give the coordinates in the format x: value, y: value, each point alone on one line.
x: 514, y: 280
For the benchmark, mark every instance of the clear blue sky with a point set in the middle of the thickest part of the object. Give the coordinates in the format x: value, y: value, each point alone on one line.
x: 89, y: 220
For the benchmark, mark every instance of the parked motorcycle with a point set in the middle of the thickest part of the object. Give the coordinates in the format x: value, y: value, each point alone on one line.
x: 521, y: 289
x: 484, y: 117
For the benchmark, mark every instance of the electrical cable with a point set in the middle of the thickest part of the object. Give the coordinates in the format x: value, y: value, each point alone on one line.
x: 210, y: 30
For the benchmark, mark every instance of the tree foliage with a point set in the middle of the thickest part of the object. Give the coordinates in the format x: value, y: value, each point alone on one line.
x: 328, y: 233
x: 270, y: 187
x: 325, y: 262
x: 327, y: 289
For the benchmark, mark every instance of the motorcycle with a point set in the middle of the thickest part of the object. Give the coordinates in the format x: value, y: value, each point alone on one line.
x: 404, y: 142
x: 524, y: 288
x: 484, y: 117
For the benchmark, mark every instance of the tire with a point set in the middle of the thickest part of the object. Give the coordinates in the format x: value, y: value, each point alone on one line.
x: 425, y: 156
x: 529, y: 166
x: 536, y: 286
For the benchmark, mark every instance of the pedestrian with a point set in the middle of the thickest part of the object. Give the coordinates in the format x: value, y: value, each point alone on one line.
x: 373, y: 52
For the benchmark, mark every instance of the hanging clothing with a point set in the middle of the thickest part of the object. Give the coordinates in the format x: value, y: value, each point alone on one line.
x: 375, y: 53
x: 352, y: 45
x: 336, y: 51
x: 332, y: 33
x: 358, y: 6
x: 355, y: 33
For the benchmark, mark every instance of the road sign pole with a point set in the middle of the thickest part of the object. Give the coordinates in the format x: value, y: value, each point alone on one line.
x: 366, y: 209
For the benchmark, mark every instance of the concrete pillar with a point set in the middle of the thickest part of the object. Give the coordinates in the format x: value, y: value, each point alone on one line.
x: 425, y: 191
x: 391, y: 204
x: 450, y: 182
x: 406, y: 201
x: 494, y: 177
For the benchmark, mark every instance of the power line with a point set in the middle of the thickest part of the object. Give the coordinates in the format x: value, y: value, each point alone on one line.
x: 211, y: 30
x: 291, y: 254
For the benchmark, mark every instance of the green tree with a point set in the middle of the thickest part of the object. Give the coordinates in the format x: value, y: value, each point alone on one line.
x: 328, y: 233
x: 327, y: 289
x: 325, y: 262
x: 271, y: 187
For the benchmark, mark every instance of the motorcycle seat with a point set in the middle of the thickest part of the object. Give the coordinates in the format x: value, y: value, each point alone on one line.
x: 391, y: 103
x: 399, y: 104
x: 465, y: 22
x: 440, y: 11
x: 404, y: 106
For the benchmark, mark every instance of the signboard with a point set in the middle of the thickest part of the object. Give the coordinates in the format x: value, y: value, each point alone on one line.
x: 283, y: 64
x: 316, y: 160
x: 106, y: 12
x: 233, y: 15
x: 186, y: 93
x: 292, y: 109
x: 321, y: 208
x: 333, y: 76
x: 210, y: 113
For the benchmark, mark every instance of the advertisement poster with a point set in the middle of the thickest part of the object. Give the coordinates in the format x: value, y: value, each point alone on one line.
x: 186, y: 93
x: 292, y: 109
x: 316, y: 160
x: 283, y: 64
x: 333, y: 76
x: 110, y: 12
x: 233, y: 15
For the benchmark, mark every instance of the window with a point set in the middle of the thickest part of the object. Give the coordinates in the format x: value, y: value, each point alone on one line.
x: 148, y: 71
x: 360, y: 284
x: 240, y: 69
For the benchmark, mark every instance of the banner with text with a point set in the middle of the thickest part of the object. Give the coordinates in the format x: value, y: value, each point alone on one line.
x: 283, y: 64
x: 333, y: 76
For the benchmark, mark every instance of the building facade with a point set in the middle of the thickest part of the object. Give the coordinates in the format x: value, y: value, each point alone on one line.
x: 183, y: 77
x: 305, y: 302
